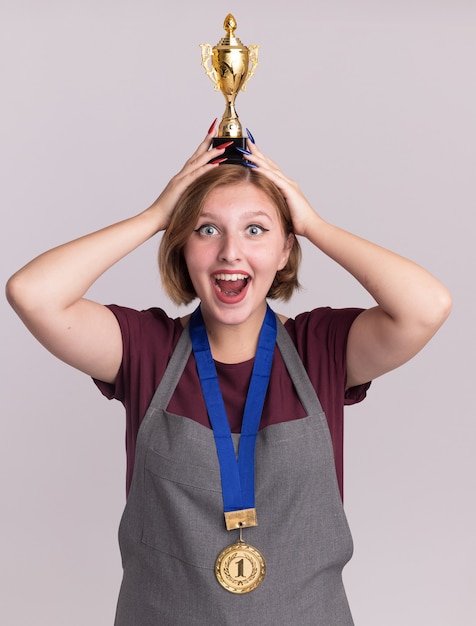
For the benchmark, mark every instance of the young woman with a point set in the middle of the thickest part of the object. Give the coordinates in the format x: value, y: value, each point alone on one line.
x: 234, y: 414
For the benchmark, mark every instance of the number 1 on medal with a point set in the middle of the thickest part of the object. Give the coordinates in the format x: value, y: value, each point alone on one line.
x: 240, y: 565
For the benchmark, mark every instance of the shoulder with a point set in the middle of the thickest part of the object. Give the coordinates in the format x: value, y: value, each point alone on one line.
x: 149, y: 335
x: 139, y: 321
x: 320, y: 337
x: 324, y: 324
x: 149, y: 338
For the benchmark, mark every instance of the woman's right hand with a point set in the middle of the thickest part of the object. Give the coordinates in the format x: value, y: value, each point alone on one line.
x: 49, y: 292
x: 203, y: 159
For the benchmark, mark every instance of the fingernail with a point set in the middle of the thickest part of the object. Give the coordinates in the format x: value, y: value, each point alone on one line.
x: 224, y: 145
x: 212, y: 126
x: 250, y: 136
x: 218, y: 161
x: 242, y: 150
x: 249, y: 164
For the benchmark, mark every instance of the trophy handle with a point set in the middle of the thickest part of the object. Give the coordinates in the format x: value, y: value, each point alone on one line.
x: 207, y: 53
x: 253, y: 50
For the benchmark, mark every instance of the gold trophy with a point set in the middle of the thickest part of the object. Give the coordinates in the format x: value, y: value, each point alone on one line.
x: 230, y: 65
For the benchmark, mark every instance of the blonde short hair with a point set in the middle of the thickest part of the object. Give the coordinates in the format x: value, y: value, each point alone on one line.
x: 173, y: 268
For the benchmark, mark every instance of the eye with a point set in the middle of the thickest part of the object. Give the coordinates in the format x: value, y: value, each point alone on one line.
x: 207, y: 230
x: 256, y: 229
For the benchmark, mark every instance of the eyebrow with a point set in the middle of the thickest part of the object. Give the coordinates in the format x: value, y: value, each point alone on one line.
x: 247, y: 215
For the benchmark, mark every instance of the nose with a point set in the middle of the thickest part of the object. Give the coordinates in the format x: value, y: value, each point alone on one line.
x: 230, y: 249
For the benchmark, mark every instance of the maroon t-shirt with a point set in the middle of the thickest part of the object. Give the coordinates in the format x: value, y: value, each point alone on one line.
x: 149, y: 339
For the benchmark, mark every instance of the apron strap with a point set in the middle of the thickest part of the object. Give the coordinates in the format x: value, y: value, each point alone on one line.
x: 173, y: 372
x: 297, y: 372
x: 292, y: 360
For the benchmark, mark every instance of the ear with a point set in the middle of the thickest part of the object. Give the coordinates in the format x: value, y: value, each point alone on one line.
x: 288, y: 245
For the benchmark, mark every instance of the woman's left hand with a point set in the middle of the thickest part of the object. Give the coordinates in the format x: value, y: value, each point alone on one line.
x: 303, y: 215
x: 411, y: 303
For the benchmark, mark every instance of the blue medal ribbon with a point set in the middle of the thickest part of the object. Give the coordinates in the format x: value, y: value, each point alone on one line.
x: 237, y: 476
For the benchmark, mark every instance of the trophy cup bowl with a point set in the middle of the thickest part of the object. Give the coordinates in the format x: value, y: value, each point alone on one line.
x: 230, y: 65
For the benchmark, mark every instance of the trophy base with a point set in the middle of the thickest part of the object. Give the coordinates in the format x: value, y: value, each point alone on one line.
x: 232, y: 155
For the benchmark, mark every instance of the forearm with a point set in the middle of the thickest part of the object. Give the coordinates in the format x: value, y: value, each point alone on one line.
x: 403, y: 290
x: 48, y: 293
x: 399, y: 286
x: 60, y: 277
x: 411, y: 303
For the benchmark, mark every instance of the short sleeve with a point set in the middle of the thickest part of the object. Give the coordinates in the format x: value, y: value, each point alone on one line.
x: 148, y: 340
x: 321, y: 340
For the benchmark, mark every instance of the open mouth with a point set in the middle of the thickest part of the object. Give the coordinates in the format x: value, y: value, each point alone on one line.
x: 230, y: 284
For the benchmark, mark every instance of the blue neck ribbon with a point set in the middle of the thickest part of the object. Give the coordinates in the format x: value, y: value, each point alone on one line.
x: 237, y: 475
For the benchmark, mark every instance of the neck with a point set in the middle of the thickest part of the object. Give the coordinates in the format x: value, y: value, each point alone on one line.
x: 234, y: 343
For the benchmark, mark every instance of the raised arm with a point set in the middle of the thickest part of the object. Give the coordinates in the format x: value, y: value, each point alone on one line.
x: 48, y: 293
x: 411, y: 303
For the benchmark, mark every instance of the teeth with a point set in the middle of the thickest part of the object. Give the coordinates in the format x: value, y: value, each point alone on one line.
x: 230, y: 276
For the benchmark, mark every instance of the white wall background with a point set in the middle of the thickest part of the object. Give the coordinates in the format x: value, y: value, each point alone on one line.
x: 370, y: 105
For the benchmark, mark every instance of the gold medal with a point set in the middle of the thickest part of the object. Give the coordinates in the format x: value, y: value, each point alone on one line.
x: 240, y: 568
